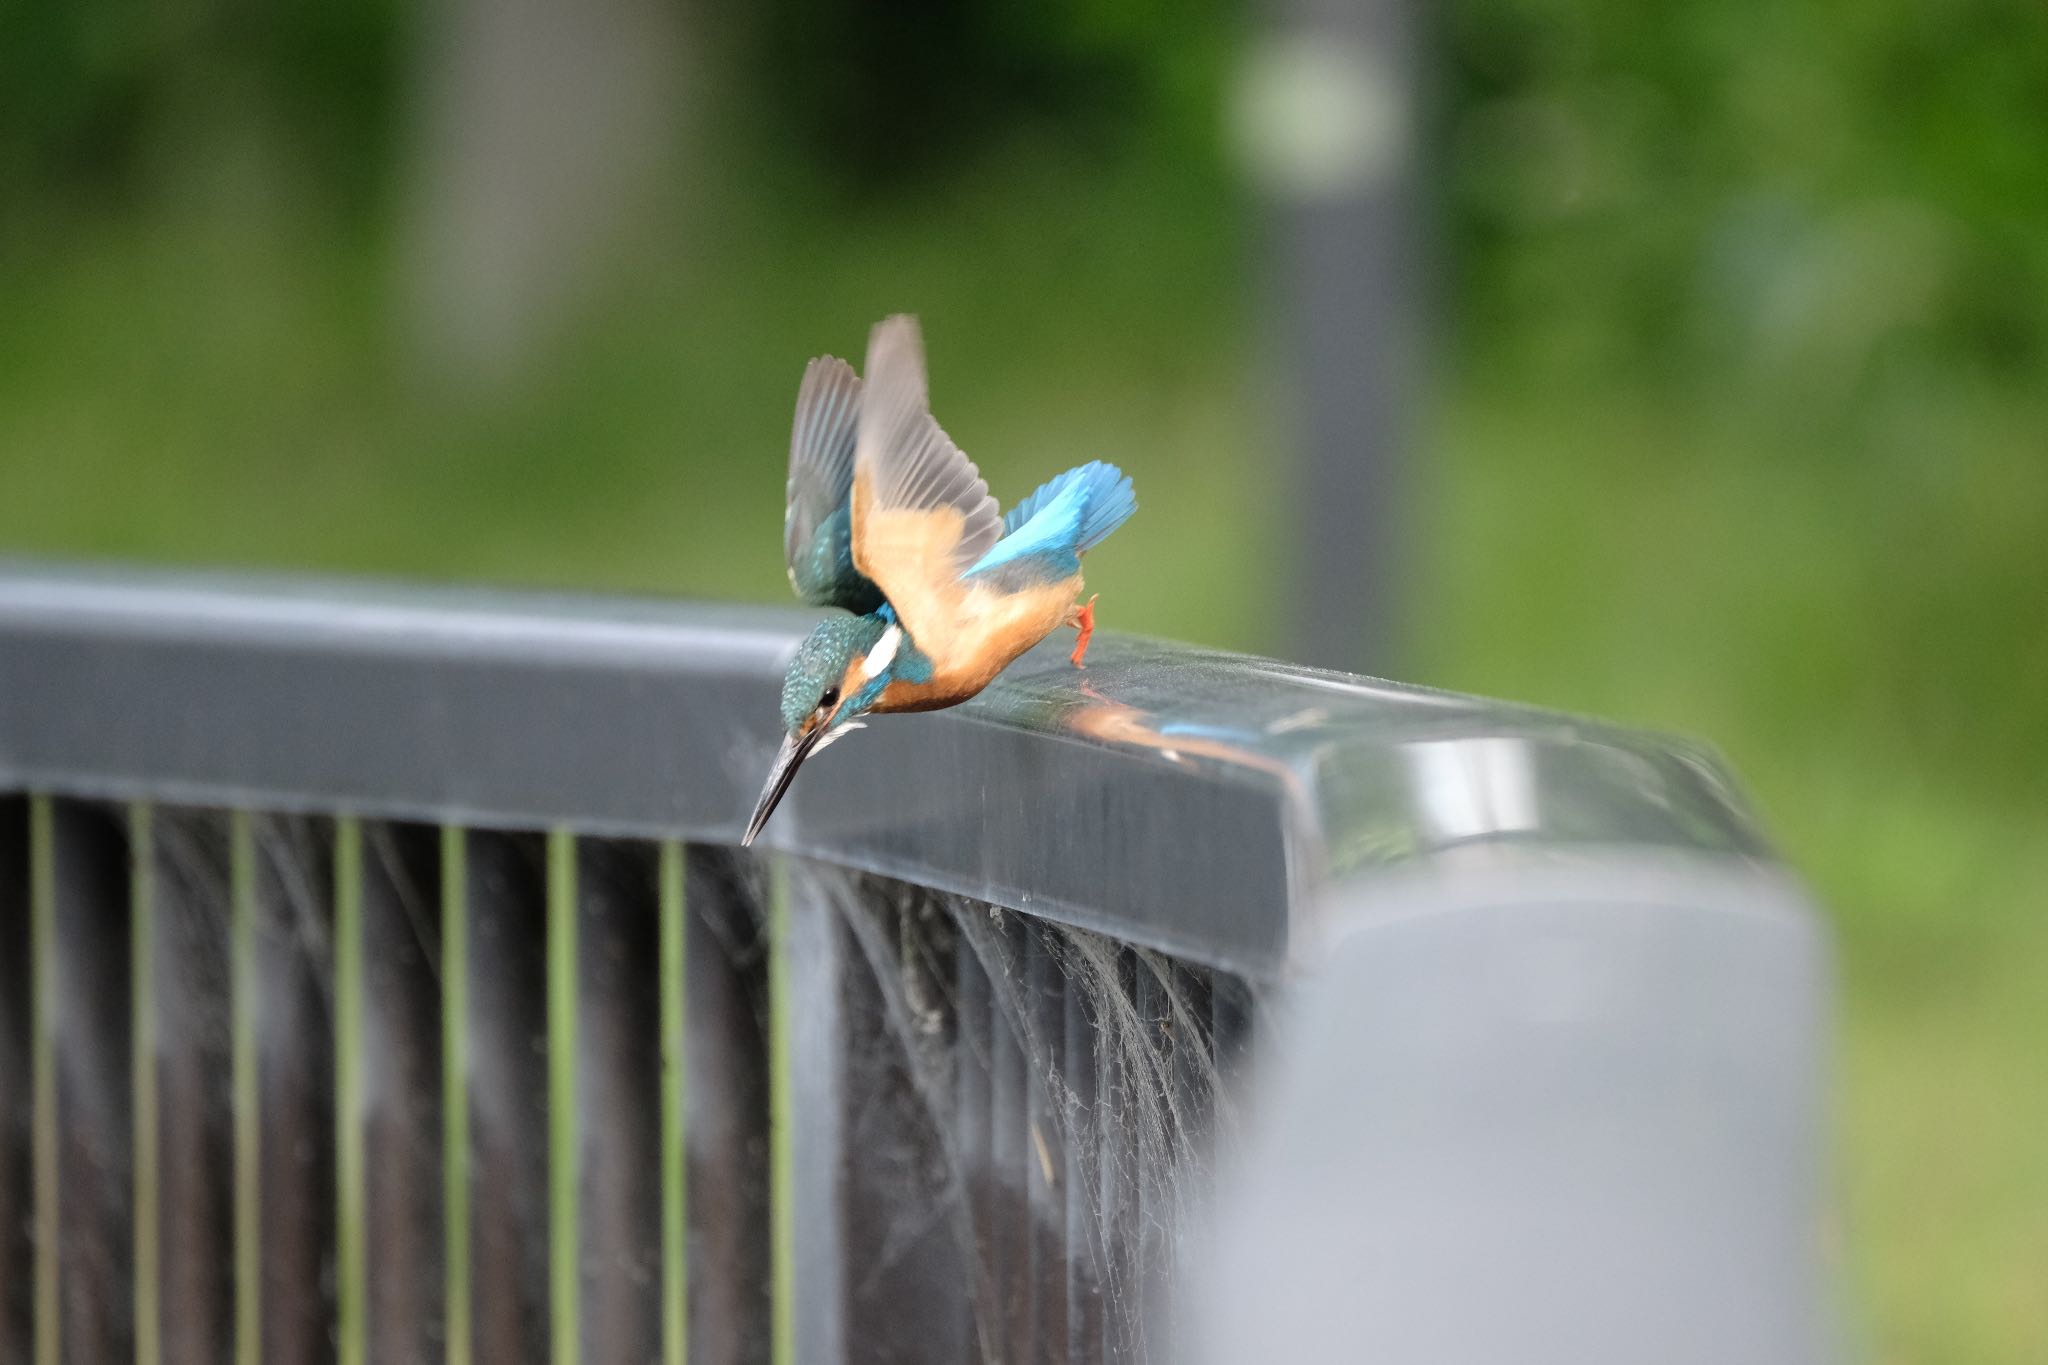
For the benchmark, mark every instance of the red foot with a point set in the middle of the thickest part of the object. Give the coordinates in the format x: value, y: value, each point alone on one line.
x: 1084, y: 618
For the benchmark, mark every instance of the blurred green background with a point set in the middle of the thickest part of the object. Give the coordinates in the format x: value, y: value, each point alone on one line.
x: 1738, y: 423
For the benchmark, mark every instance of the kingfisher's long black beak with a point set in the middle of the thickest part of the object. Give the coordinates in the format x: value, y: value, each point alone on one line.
x: 795, y: 749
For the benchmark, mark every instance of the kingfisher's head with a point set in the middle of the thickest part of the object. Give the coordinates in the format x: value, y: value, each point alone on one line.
x: 839, y: 672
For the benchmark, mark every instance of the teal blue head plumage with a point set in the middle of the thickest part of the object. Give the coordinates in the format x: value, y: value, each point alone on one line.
x: 889, y: 520
x: 838, y: 674
x: 812, y: 688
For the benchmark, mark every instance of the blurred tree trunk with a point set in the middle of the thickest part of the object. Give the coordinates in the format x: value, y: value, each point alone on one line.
x: 538, y: 129
x: 1328, y: 115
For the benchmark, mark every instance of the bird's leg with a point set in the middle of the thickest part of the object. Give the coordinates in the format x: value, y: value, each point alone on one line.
x: 1082, y: 618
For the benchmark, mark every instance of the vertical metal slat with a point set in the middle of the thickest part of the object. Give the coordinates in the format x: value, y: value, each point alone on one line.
x: 1188, y: 1046
x: 43, y: 1064
x: 243, y: 972
x: 1118, y: 1157
x: 619, y: 1096
x: 350, y: 1247
x: 564, y: 1154
x: 507, y: 1038
x: 1010, y: 1156
x: 675, y: 1300
x: 401, y: 1110
x: 1230, y: 1009
x: 1152, y: 1177
x: 296, y: 1050
x: 455, y: 1082
x: 726, y: 1127
x: 184, y: 1093
x: 1043, y: 1015
x: 974, y: 1008
x: 142, y: 1033
x: 1082, y: 1062
x: 88, y: 1009
x: 782, y: 1118
x: 18, y: 1116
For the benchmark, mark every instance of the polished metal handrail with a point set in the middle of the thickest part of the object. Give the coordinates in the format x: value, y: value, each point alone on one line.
x: 1184, y: 798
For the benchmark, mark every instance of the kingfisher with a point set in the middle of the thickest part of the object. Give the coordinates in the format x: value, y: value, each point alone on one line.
x: 890, y: 521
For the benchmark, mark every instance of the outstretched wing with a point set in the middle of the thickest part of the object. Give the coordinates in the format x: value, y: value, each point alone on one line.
x: 817, y: 533
x: 922, y: 514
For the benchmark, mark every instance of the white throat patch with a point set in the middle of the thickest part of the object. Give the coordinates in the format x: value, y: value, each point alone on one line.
x: 882, y: 654
x: 839, y: 731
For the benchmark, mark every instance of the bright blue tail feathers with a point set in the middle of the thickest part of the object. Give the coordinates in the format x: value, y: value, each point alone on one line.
x: 1099, y: 491
x: 1065, y: 517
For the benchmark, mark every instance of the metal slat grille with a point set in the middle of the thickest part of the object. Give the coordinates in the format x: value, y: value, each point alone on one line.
x: 298, y: 1089
x: 1017, y: 1116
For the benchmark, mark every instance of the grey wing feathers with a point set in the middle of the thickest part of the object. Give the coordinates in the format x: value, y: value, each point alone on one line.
x: 821, y: 446
x: 910, y: 461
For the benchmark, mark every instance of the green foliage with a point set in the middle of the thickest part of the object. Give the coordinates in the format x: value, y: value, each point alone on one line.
x: 1741, y: 189
x: 110, y: 100
x: 883, y: 98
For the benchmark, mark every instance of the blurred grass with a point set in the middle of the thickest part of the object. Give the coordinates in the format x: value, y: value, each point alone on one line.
x: 1842, y: 584
x: 240, y: 392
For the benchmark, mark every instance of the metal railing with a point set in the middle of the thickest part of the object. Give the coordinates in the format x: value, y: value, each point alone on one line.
x: 377, y: 982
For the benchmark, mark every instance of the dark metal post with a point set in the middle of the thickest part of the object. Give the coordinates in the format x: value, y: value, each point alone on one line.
x: 1329, y: 113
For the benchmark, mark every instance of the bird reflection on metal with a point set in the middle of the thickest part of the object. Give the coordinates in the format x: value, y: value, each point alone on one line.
x: 890, y: 521
x: 1186, y: 741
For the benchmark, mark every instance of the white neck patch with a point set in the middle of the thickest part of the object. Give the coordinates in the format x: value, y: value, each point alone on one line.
x: 839, y: 731
x: 882, y: 654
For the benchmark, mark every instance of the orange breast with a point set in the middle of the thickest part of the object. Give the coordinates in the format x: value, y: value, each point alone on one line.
x: 989, y: 631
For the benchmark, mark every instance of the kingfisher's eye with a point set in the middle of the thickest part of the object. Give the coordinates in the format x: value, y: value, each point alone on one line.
x: 831, y: 697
